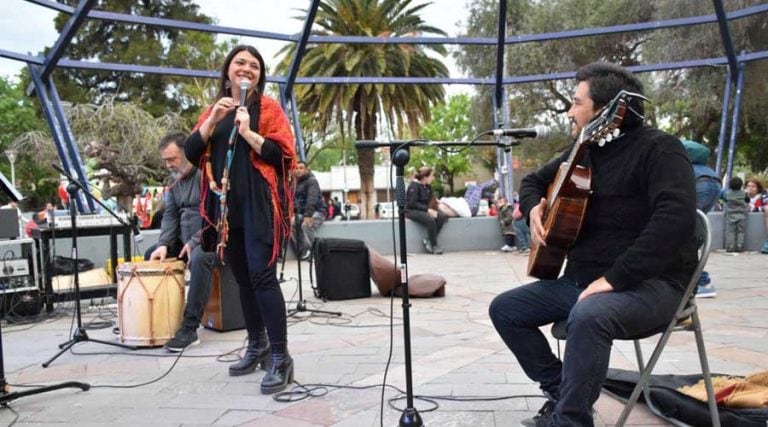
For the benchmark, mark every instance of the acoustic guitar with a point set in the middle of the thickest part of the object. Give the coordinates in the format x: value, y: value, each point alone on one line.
x: 568, y: 194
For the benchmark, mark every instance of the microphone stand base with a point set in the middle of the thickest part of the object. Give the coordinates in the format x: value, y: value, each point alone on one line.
x: 410, y: 418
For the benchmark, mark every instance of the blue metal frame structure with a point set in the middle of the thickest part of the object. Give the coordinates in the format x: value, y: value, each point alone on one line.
x: 723, y: 122
x: 41, y: 68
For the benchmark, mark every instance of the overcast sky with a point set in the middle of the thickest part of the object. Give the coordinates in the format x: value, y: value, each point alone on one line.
x: 28, y: 28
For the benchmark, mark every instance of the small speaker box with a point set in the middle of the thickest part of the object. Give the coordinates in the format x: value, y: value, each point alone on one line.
x: 223, y: 311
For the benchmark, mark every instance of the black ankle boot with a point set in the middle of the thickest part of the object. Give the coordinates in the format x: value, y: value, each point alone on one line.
x: 280, y: 375
x: 257, y: 353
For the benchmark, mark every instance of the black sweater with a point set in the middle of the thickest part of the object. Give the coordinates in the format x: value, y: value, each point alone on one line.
x: 418, y: 196
x: 248, y: 200
x: 640, y: 216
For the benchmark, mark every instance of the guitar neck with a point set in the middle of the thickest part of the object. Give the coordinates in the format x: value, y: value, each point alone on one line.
x: 577, y: 152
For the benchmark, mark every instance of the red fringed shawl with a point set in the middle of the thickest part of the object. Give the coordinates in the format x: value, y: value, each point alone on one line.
x: 274, y: 126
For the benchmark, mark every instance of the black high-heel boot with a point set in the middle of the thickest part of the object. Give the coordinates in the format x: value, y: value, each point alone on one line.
x: 280, y: 375
x: 258, y: 353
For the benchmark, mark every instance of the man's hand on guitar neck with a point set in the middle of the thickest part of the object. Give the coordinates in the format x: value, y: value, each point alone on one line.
x: 598, y: 286
x: 537, y: 225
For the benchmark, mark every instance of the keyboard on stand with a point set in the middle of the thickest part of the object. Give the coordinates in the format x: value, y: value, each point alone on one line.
x: 87, y: 220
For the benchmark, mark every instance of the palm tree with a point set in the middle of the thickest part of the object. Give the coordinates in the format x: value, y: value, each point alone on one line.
x: 359, y: 106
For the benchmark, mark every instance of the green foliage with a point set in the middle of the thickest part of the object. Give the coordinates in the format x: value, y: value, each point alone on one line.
x: 686, y: 102
x: 358, y: 108
x: 17, y: 117
x: 117, y: 136
x: 17, y: 113
x: 450, y: 122
x: 109, y: 41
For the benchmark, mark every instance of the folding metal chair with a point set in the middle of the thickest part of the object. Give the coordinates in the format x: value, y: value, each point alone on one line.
x: 686, y: 319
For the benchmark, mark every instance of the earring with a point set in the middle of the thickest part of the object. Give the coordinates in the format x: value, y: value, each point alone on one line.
x: 227, y: 84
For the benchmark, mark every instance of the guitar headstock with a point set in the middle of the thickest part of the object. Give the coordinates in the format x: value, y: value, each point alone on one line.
x: 605, y: 126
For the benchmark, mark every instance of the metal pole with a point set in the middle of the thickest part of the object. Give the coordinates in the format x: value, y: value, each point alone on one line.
x: 735, y: 122
x: 723, y: 124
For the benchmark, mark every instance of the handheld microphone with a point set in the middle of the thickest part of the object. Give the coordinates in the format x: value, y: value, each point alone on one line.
x: 245, y: 84
x: 537, y: 132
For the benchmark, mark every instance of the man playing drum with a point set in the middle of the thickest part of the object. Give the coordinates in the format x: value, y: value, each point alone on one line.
x: 181, y: 222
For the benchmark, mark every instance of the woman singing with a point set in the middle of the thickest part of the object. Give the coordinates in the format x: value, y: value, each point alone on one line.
x: 245, y: 155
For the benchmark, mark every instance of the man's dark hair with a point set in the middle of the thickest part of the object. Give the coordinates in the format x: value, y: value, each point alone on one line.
x: 735, y: 183
x: 302, y: 162
x: 606, y: 80
x: 173, y: 138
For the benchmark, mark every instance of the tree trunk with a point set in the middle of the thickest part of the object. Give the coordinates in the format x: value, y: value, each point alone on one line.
x: 365, y: 128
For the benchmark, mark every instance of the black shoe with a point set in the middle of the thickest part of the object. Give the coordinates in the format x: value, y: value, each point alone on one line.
x: 256, y: 354
x: 436, y: 249
x: 428, y: 246
x: 305, y: 255
x: 279, y: 376
x: 545, y: 417
x: 183, y: 339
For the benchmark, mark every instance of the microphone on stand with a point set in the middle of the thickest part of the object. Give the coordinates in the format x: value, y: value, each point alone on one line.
x: 536, y: 132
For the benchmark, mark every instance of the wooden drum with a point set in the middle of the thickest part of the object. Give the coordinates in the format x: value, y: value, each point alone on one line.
x: 150, y: 301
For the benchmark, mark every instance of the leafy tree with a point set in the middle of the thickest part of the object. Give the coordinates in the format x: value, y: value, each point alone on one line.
x: 117, y: 136
x: 17, y: 113
x: 359, y: 107
x: 686, y: 102
x: 17, y: 117
x: 691, y: 99
x: 450, y: 122
x: 110, y: 41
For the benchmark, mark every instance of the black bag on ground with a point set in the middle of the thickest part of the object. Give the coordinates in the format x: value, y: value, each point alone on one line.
x: 64, y: 265
x: 342, y: 269
x: 680, y: 406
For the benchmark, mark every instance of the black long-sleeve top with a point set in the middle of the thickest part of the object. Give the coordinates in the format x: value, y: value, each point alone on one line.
x: 248, y: 199
x: 418, y: 196
x: 640, y: 216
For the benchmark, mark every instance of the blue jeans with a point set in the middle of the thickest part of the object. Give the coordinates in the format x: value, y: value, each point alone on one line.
x: 593, y: 324
x: 523, y: 235
x: 707, y: 193
x: 307, y: 233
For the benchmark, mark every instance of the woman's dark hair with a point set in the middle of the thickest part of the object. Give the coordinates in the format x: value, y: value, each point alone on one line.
x: 735, y: 183
x: 757, y: 183
x: 423, y: 172
x: 606, y: 80
x: 225, y: 91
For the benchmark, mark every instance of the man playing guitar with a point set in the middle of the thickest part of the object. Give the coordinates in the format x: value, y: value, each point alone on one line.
x: 631, y: 253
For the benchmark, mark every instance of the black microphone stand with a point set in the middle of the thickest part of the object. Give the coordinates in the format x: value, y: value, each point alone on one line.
x: 5, y: 395
x: 400, y: 157
x: 80, y: 335
x: 301, y: 304
x: 410, y: 416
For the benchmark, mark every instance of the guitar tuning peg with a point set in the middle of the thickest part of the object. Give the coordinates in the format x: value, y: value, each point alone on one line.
x: 601, y: 142
x: 616, y: 132
x: 609, y: 137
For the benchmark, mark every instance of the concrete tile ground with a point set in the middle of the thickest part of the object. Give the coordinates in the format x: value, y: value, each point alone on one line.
x: 455, y: 352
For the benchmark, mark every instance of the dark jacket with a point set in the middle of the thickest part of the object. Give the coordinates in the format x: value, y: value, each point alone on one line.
x: 181, y: 213
x: 308, y: 197
x: 418, y: 196
x: 640, y: 217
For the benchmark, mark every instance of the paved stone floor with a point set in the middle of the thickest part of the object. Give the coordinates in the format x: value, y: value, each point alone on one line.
x: 455, y: 353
